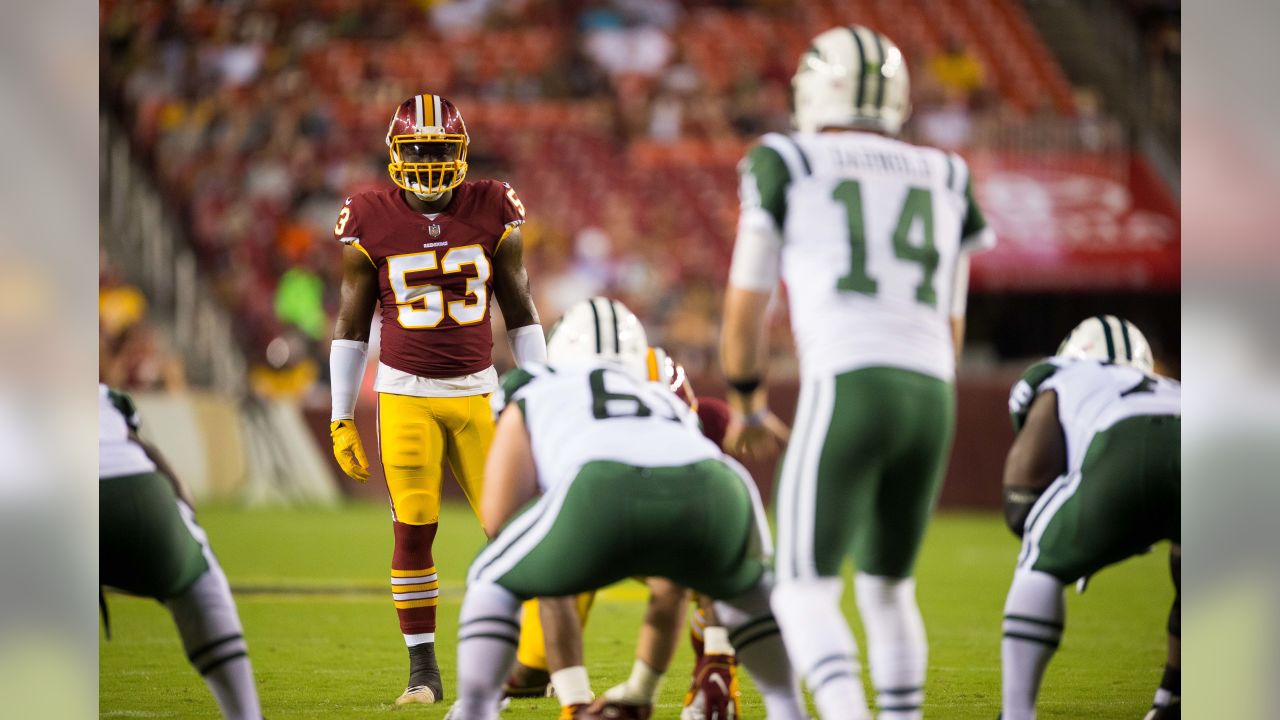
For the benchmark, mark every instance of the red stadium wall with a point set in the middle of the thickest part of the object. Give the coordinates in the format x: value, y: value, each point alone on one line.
x: 982, y: 438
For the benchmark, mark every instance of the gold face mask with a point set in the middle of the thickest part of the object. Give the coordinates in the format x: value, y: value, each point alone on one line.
x: 438, y: 170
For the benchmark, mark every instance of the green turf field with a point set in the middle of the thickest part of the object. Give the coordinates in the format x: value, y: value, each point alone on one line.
x: 312, y: 591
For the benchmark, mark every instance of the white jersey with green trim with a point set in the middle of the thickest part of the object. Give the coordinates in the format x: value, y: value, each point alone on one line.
x: 118, y: 455
x: 1093, y: 396
x: 581, y: 412
x: 872, y: 234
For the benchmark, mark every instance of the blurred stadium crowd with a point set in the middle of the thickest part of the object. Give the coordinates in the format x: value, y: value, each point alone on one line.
x: 618, y: 121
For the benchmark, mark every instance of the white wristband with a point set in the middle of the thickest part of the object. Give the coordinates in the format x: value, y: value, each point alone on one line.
x: 528, y: 344
x: 346, y: 370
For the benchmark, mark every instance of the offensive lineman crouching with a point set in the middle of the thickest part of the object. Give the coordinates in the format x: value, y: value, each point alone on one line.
x: 1092, y: 479
x: 628, y: 487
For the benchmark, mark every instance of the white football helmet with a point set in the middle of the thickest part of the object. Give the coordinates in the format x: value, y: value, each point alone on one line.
x: 1110, y: 339
x: 851, y: 77
x: 603, y: 328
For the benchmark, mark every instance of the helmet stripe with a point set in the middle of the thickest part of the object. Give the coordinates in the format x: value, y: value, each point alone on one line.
x: 438, y: 111
x: 1111, y: 343
x: 857, y: 72
x: 880, y: 79
x: 1124, y: 333
x: 417, y: 106
x: 428, y: 106
x: 617, y: 337
x: 595, y: 315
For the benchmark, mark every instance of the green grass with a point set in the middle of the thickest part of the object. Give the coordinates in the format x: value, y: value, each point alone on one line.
x: 325, y: 644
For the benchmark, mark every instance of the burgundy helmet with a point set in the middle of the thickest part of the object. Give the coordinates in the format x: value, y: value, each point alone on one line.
x: 428, y: 120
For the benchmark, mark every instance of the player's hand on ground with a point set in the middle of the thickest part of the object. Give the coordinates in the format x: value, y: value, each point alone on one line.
x: 348, y: 450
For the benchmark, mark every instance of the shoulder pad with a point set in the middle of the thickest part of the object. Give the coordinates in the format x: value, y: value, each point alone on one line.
x: 124, y: 404
x: 1024, y: 391
x: 512, y: 384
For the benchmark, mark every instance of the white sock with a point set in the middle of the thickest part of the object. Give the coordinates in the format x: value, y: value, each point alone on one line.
x: 572, y: 685
x: 715, y: 641
x: 488, y: 632
x: 756, y: 641
x: 1033, y: 621
x: 897, y: 648
x: 214, y: 641
x: 821, y: 647
x: 419, y: 639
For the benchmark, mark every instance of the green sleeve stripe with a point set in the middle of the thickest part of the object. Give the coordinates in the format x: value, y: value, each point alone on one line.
x: 1026, y: 390
x: 766, y: 171
x: 514, y: 380
x: 791, y: 152
x: 974, y: 222
x: 124, y: 404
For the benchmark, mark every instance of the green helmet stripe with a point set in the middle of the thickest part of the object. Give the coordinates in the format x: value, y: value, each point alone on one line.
x: 858, y: 75
x: 595, y: 315
x: 1124, y: 333
x: 617, y: 337
x: 879, y: 72
x: 1111, y: 343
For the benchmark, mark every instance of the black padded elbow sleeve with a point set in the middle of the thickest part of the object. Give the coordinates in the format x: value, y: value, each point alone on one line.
x: 1017, y: 506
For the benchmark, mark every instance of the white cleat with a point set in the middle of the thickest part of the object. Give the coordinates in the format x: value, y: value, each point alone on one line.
x: 416, y: 695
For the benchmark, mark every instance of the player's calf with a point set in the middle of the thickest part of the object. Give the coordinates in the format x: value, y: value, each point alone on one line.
x: 1033, y: 624
x: 757, y: 643
x: 820, y: 646
x: 214, y: 642
x: 488, y: 632
x: 897, y: 648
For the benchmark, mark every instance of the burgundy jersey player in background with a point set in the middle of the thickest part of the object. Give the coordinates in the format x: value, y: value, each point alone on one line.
x: 434, y: 249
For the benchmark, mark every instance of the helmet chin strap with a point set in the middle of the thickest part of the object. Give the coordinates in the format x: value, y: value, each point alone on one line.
x: 428, y: 197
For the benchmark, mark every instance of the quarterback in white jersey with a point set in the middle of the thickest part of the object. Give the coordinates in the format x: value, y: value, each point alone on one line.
x: 625, y: 485
x: 1091, y: 479
x: 150, y: 545
x: 871, y: 236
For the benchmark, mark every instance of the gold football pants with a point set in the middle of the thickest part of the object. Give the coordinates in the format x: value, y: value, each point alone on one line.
x: 415, y: 436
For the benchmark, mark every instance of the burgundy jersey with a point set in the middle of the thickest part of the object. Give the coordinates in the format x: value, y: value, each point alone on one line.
x: 714, y: 414
x: 434, y: 274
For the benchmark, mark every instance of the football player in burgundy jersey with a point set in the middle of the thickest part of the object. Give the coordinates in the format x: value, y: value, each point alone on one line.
x: 433, y: 250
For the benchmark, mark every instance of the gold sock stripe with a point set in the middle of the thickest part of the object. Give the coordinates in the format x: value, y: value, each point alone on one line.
x: 415, y: 588
x: 410, y: 604
x: 412, y: 573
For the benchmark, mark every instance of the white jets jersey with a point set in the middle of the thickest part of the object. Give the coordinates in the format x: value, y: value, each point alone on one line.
x: 1093, y: 396
x: 581, y: 412
x: 871, y: 232
x: 117, y: 454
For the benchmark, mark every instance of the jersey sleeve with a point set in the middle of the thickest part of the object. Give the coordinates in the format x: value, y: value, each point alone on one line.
x: 511, y: 388
x: 764, y: 179
x: 1025, y: 391
x: 124, y: 405
x: 975, y: 234
x: 348, y: 225
x: 512, y: 209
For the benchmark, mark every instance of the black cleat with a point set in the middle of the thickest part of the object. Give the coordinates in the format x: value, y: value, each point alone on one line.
x: 425, y: 686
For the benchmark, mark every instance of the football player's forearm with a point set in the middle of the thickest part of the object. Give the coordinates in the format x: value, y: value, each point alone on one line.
x: 742, y: 347
x: 515, y: 298
x: 347, y: 359
x: 663, y: 620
